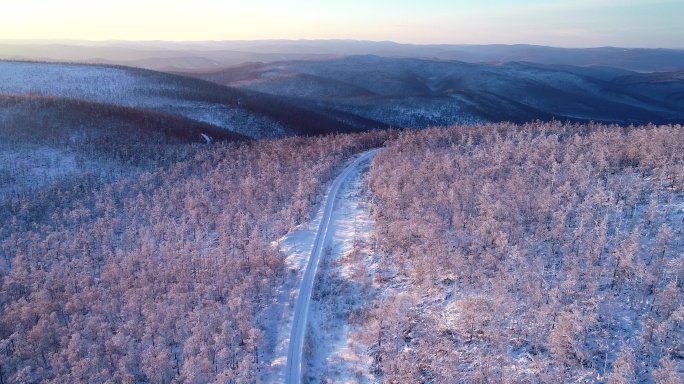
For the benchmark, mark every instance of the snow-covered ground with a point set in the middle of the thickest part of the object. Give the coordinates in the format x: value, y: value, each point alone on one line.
x: 34, y: 166
x: 277, y: 322
x: 344, y: 283
x: 333, y: 354
x: 103, y: 84
x: 129, y: 88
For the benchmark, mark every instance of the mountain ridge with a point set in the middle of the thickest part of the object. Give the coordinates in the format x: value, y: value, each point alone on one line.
x: 230, y: 53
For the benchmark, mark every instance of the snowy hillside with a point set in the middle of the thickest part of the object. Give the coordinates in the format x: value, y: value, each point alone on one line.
x: 359, y: 93
x: 44, y: 139
x: 422, y: 93
x: 138, y: 88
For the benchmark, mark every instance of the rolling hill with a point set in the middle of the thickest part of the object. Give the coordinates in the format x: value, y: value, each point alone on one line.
x: 244, y: 112
x: 421, y: 93
x: 343, y: 94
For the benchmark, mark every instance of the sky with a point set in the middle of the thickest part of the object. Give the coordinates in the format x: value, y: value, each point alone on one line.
x: 562, y: 23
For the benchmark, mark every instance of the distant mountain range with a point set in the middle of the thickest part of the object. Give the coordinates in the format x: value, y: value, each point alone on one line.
x: 174, y: 56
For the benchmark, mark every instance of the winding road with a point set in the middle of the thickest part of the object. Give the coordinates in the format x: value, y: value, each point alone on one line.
x: 293, y: 370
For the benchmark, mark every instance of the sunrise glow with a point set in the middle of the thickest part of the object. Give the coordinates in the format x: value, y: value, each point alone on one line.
x: 631, y: 23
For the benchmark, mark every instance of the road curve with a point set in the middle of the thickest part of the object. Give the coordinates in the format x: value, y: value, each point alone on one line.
x: 293, y: 370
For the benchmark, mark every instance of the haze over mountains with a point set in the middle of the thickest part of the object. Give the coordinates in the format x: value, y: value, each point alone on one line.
x: 162, y: 55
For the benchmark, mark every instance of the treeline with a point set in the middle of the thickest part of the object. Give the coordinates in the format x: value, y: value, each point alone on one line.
x: 45, y: 119
x: 537, y: 253
x: 160, y: 277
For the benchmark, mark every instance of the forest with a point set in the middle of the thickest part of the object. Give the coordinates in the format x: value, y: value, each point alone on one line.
x: 540, y: 253
x: 543, y: 252
x: 162, y: 275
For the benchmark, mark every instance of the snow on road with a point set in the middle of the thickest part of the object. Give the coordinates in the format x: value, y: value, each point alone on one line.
x: 287, y: 321
x: 345, y: 286
x: 293, y: 369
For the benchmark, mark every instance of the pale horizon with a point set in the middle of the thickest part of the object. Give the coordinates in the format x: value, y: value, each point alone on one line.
x: 110, y: 41
x: 565, y: 24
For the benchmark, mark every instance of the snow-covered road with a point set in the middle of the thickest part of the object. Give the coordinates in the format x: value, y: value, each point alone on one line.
x: 293, y: 373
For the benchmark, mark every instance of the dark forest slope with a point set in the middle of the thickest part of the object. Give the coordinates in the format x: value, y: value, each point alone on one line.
x: 421, y: 93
